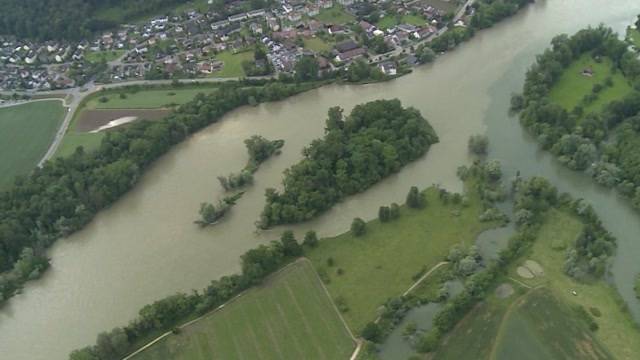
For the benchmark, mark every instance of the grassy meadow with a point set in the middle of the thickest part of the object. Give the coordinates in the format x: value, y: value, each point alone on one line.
x: 335, y: 15
x: 97, y: 56
x: 541, y: 327
x: 316, y: 44
x: 26, y: 131
x: 617, y: 331
x: 290, y: 316
x: 232, y: 63
x: 147, y: 99
x: 366, y: 270
x: 572, y: 86
x: 390, y: 21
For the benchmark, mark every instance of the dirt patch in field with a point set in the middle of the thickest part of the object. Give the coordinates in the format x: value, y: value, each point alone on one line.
x: 91, y: 120
x: 503, y: 291
x: 534, y: 267
x: 523, y: 272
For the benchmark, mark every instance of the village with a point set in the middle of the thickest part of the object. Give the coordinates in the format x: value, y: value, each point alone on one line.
x: 259, y: 42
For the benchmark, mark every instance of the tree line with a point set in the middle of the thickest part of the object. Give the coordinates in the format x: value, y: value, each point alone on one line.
x: 71, y: 19
x: 64, y: 195
x: 604, y: 142
x: 377, y: 139
x: 166, y: 314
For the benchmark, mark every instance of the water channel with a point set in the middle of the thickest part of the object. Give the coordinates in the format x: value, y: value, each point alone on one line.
x: 146, y: 246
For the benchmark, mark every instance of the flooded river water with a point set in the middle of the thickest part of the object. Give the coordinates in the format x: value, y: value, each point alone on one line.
x: 146, y: 246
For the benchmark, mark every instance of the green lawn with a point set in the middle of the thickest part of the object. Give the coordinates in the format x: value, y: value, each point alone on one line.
x: 391, y: 21
x: 335, y: 15
x: 72, y: 139
x: 26, y: 131
x: 316, y: 44
x: 381, y: 264
x: 147, y: 99
x: 617, y: 330
x: 541, y: 327
x: 633, y: 36
x: 232, y: 63
x: 97, y: 56
x: 572, y: 86
x: 289, y: 317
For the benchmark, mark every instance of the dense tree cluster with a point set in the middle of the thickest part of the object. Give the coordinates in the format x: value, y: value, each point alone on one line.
x: 65, y: 194
x: 374, y: 141
x: 166, y: 314
x: 70, y: 19
x: 489, y: 12
x: 606, y: 142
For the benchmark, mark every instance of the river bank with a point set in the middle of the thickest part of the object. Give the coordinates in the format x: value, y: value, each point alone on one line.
x: 107, y: 266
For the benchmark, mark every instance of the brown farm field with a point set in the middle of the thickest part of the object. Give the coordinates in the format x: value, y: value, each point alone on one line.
x: 90, y: 120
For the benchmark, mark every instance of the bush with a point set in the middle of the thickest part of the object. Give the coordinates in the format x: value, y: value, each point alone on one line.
x: 103, y: 99
x: 384, y: 214
x: 371, y: 332
x: 478, y: 145
x: 415, y: 199
x: 310, y: 239
x: 394, y: 211
x: 358, y: 227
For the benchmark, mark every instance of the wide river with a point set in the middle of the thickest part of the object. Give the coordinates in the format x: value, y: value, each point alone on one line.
x: 146, y: 246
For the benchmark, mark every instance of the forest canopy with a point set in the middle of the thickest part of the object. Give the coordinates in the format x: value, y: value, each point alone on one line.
x: 71, y: 19
x: 375, y: 140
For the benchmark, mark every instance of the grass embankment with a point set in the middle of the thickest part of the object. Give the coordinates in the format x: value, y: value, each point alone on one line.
x: 26, y: 131
x: 232, y: 63
x: 572, y: 86
x: 335, y: 15
x: 141, y: 99
x: 380, y: 264
x: 290, y: 316
x: 543, y: 323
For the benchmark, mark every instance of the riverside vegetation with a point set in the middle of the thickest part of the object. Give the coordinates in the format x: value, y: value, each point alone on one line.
x: 597, y: 133
x: 65, y: 194
x: 374, y: 141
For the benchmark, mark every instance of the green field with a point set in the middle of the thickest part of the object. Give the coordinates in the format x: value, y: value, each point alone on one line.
x: 617, y: 330
x: 541, y: 327
x: 473, y: 337
x: 232, y: 63
x: 335, y: 15
x: 147, y: 99
x: 390, y: 21
x: 288, y: 317
x: 316, y: 44
x: 572, y: 86
x: 370, y: 268
x: 26, y: 131
x: 542, y: 323
x: 97, y: 56
x: 72, y: 139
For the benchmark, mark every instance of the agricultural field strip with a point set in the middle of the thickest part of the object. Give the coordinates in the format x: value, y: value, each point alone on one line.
x: 274, y: 301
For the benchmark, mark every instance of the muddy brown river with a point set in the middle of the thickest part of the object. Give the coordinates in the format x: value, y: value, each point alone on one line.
x: 146, y: 246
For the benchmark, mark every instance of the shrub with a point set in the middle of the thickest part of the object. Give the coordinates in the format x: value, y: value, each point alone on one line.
x: 358, y: 227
